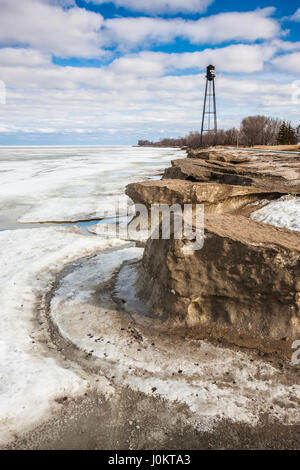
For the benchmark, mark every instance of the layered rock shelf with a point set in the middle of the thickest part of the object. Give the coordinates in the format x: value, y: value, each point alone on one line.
x: 265, y: 170
x: 216, y: 197
x: 243, y: 286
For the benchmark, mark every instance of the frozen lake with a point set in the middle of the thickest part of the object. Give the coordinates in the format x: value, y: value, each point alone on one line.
x: 70, y: 184
x: 55, y: 185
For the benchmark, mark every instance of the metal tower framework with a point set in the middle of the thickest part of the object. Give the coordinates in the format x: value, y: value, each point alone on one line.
x: 209, y: 117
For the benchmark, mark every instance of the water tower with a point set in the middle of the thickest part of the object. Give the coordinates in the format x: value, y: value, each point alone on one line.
x: 209, y: 118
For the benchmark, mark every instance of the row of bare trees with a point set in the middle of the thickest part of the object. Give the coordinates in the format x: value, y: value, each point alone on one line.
x: 254, y: 130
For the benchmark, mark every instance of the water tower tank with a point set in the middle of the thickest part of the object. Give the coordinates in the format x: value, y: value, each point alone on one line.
x: 210, y: 72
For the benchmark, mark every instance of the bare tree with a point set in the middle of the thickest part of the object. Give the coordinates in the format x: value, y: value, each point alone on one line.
x: 194, y: 140
x: 255, y: 130
x: 232, y: 136
x: 260, y: 130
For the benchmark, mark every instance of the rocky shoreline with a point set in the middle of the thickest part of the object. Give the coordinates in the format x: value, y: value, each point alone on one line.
x: 242, y: 287
x: 148, y: 387
x: 171, y: 350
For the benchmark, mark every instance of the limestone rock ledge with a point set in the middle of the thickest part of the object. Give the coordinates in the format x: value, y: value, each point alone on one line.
x: 217, y: 198
x: 243, y: 287
x: 271, y: 172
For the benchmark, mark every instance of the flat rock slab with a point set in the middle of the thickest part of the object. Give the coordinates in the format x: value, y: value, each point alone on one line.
x: 271, y: 172
x: 216, y: 197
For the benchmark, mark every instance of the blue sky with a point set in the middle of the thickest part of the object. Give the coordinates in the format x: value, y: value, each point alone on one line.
x: 99, y: 73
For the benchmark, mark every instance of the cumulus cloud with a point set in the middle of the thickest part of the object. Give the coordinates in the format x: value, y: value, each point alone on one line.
x: 12, y: 56
x: 286, y: 45
x: 61, y: 28
x: 144, y: 105
x: 16, y: 69
x: 44, y: 25
x: 239, y: 58
x: 161, y: 6
x: 296, y: 16
x: 248, y: 26
x: 140, y: 93
x: 288, y: 62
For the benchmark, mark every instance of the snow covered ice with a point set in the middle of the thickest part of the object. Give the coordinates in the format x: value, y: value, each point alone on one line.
x: 29, y: 380
x: 70, y: 184
x: 284, y: 212
x: 44, y: 185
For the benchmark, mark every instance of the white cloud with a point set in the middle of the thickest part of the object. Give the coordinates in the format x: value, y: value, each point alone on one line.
x: 239, y: 58
x: 296, y: 16
x: 143, y: 64
x: 19, y: 57
x: 140, y: 93
x: 60, y: 28
x: 60, y: 3
x: 70, y: 100
x: 143, y: 105
x: 247, y: 26
x: 17, y: 67
x: 288, y: 62
x: 161, y: 6
x: 286, y: 45
x: 44, y: 25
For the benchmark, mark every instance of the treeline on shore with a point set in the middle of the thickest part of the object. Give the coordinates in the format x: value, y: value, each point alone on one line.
x: 254, y: 130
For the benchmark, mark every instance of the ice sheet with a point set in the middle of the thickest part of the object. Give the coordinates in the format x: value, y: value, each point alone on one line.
x: 122, y: 230
x: 75, y: 209
x: 69, y: 184
x: 31, y: 380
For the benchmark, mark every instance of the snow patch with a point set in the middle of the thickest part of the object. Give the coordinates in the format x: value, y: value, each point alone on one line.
x: 285, y: 213
x: 29, y: 381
